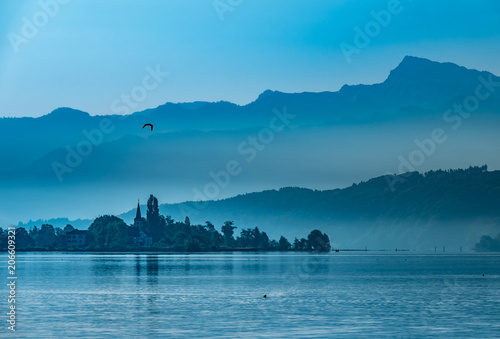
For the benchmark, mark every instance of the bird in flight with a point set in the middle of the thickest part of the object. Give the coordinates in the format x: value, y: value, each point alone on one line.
x: 148, y: 125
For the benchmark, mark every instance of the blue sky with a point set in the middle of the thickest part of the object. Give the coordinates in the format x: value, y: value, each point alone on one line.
x: 88, y: 53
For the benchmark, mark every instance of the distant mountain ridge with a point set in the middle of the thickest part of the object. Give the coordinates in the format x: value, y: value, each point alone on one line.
x: 417, y: 87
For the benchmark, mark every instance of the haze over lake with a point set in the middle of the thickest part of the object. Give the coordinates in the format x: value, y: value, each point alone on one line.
x: 372, y: 294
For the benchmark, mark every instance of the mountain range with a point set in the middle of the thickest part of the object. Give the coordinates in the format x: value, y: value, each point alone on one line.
x: 417, y: 88
x: 69, y: 164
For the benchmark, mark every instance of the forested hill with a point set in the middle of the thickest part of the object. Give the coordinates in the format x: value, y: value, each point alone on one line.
x: 465, y: 201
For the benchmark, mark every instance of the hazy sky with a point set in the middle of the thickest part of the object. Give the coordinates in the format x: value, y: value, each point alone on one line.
x: 86, y: 54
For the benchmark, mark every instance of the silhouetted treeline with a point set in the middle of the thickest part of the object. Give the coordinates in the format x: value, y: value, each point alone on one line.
x: 45, y: 237
x: 112, y: 233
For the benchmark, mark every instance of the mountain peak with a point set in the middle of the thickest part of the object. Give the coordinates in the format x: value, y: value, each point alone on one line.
x: 414, y: 66
x: 266, y: 93
x: 414, y: 60
x: 419, y: 71
x: 66, y: 112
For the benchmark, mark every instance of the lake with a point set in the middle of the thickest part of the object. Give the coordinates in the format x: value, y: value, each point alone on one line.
x: 344, y: 295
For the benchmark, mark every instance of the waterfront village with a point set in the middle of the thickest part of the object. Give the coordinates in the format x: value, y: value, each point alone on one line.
x: 156, y: 232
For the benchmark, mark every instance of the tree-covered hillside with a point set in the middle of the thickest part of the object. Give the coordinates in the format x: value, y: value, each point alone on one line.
x: 461, y: 201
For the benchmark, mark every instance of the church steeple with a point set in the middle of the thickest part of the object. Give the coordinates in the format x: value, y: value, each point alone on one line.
x: 138, y: 219
x: 138, y: 213
x: 138, y: 232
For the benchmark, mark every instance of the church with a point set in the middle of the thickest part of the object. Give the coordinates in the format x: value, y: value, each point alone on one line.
x: 137, y: 233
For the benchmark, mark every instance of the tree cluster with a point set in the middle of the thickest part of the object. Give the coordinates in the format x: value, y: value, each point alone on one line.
x: 488, y: 244
x: 109, y: 232
x: 46, y: 237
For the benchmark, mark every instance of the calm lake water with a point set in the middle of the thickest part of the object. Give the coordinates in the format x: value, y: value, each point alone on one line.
x: 343, y: 295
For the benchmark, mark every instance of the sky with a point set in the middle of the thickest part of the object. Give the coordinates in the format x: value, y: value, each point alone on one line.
x: 87, y: 54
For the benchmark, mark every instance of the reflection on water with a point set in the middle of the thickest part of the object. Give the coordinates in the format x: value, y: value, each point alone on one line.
x: 221, y: 295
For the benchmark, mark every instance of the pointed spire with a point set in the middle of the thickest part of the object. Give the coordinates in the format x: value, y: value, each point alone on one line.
x: 138, y: 213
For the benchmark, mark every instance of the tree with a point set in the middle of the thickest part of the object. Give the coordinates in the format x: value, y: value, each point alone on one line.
x: 319, y: 242
x: 169, y: 221
x: 60, y: 237
x: 3, y: 239
x: 180, y: 238
x: 155, y: 224
x: 273, y: 245
x: 245, y: 238
x: 209, y: 226
x: 23, y: 239
x: 284, y: 244
x: 187, y: 221
x: 46, y: 236
x: 253, y: 238
x: 215, y: 238
x: 228, y: 231
x: 306, y: 246
x: 33, y: 232
x: 256, y: 239
x: 109, y: 232
x: 301, y: 245
x: 488, y: 244
x: 68, y: 228
x: 296, y: 245
x: 192, y: 245
x: 263, y: 241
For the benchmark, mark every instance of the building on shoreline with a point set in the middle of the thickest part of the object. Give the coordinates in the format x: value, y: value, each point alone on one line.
x: 137, y: 233
x: 76, y: 238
